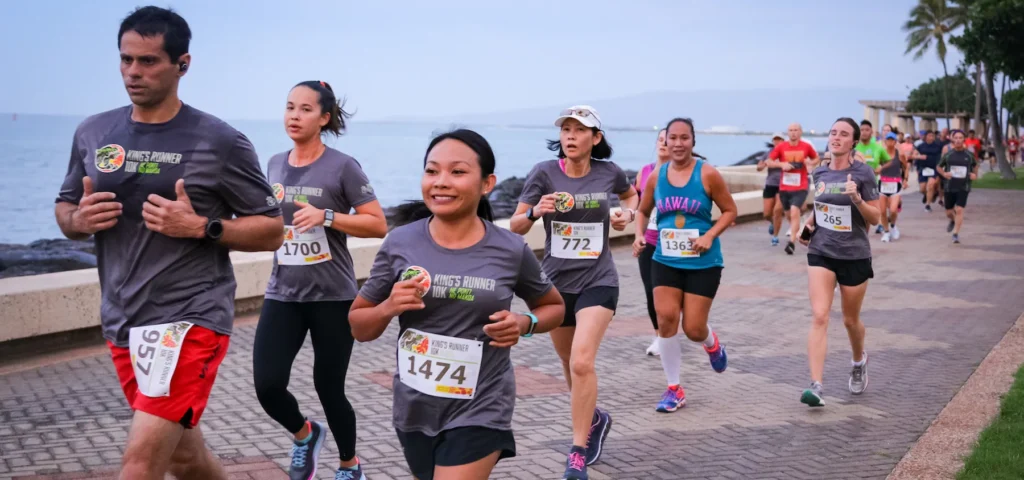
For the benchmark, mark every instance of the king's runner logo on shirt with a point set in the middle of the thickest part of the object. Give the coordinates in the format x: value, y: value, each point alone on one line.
x: 109, y: 158
x: 278, y: 191
x: 412, y: 272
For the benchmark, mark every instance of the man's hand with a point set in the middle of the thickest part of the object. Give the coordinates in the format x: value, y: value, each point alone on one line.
x: 174, y: 218
x: 96, y: 211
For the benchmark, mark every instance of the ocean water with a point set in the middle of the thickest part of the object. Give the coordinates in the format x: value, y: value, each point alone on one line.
x: 34, y: 152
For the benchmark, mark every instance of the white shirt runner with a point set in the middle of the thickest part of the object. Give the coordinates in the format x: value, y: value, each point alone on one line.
x: 438, y: 365
x: 308, y: 248
x: 577, y: 240
x: 155, y: 350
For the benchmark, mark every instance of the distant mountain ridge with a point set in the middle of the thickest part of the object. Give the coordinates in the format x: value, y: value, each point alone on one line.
x: 759, y: 110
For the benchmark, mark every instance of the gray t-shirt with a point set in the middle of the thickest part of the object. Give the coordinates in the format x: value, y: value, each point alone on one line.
x: 335, y: 181
x: 774, y: 174
x: 147, y: 278
x: 964, y: 161
x: 841, y: 233
x: 585, y: 202
x: 466, y: 287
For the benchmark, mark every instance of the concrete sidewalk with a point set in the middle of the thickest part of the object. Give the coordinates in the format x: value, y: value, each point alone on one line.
x: 933, y: 312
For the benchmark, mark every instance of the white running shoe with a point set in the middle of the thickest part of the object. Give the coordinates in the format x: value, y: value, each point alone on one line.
x: 655, y: 348
x: 885, y: 237
x: 895, y: 233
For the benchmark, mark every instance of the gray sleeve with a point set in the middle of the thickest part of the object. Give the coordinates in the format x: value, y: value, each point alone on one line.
x: 242, y: 184
x: 531, y: 283
x: 71, y: 190
x: 621, y: 183
x: 535, y: 186
x: 377, y: 287
x: 355, y: 185
x: 868, y: 188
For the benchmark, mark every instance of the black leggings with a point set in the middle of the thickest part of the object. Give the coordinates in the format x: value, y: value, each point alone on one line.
x: 645, y: 276
x: 279, y: 336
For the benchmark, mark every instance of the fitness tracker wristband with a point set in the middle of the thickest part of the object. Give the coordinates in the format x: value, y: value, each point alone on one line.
x: 533, y: 325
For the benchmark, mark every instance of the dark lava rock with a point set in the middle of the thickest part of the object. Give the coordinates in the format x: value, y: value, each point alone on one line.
x: 46, y: 256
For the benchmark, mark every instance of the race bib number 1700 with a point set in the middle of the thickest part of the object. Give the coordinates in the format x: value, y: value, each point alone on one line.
x: 309, y: 248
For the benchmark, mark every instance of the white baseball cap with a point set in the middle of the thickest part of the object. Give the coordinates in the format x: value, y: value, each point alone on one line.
x: 585, y: 114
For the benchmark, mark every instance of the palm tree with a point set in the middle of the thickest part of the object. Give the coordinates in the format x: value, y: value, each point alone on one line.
x: 931, y: 21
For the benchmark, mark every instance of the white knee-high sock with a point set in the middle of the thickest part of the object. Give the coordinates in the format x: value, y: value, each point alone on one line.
x: 710, y: 341
x: 671, y: 358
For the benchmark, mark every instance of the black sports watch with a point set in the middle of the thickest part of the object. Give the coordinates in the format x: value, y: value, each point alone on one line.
x: 529, y: 215
x: 214, y: 229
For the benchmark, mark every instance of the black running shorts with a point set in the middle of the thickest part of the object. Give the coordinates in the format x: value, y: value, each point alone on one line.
x: 703, y: 281
x: 607, y: 297
x: 451, y: 448
x: 849, y: 273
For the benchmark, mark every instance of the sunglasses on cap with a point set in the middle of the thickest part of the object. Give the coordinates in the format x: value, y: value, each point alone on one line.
x: 577, y: 112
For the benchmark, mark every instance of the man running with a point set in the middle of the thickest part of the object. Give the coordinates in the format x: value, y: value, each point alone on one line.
x: 792, y: 158
x: 772, y: 205
x: 926, y: 178
x: 167, y: 190
x: 959, y: 167
x: 873, y: 152
x: 973, y: 144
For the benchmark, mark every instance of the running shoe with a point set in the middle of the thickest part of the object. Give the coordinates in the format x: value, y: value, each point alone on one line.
x: 655, y: 348
x: 719, y: 360
x: 895, y: 233
x: 790, y: 247
x: 859, y: 377
x: 956, y: 238
x: 885, y: 237
x: 305, y: 455
x: 347, y: 474
x: 775, y: 241
x: 879, y: 230
x: 576, y: 465
x: 812, y: 396
x: 771, y: 228
x: 951, y: 226
x: 927, y: 208
x: 672, y: 400
x: 598, y: 433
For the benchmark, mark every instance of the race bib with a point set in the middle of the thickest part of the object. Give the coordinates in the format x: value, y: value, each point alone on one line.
x: 791, y: 179
x: 155, y: 350
x: 653, y: 224
x: 576, y: 240
x: 438, y: 365
x: 928, y: 172
x: 676, y: 242
x: 889, y: 187
x: 833, y: 217
x: 308, y: 248
x: 958, y: 171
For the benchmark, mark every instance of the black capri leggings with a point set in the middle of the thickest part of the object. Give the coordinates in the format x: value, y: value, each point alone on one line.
x: 645, y: 275
x: 279, y: 336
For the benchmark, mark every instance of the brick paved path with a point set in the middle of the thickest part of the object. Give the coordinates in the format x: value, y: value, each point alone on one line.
x: 932, y: 313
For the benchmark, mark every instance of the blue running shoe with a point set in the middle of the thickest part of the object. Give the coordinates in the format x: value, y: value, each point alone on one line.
x: 348, y: 474
x: 775, y: 241
x: 598, y: 433
x: 576, y: 465
x: 719, y: 360
x: 305, y: 455
x: 771, y: 228
x: 672, y: 400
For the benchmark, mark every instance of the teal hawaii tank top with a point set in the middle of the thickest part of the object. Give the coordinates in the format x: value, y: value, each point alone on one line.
x: 684, y: 213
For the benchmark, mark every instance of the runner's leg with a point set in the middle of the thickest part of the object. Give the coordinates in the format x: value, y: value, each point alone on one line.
x: 958, y: 218
x: 332, y: 350
x: 478, y: 470
x: 562, y: 338
x: 152, y: 442
x: 669, y: 302
x: 821, y: 283
x: 853, y: 298
x: 591, y: 325
x: 777, y: 215
x: 192, y: 460
x: 279, y: 336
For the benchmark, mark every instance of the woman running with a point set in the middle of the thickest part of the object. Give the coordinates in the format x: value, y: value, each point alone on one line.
x: 839, y: 251
x: 449, y: 275
x: 893, y: 179
x: 770, y: 195
x: 312, y: 284
x: 572, y: 195
x: 687, y: 267
x: 646, y: 240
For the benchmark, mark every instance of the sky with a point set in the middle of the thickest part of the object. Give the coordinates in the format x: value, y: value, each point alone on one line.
x: 406, y: 58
